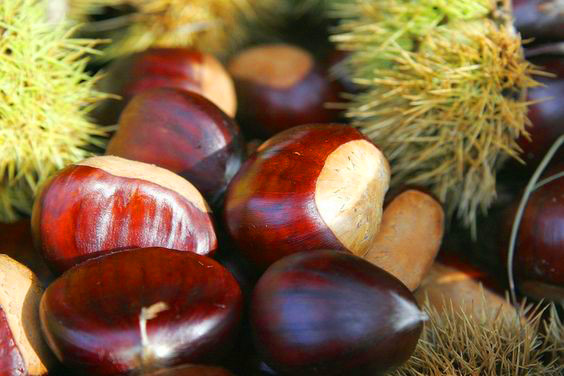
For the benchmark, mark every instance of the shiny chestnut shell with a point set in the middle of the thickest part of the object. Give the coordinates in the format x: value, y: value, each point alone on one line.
x: 91, y: 314
x: 332, y: 313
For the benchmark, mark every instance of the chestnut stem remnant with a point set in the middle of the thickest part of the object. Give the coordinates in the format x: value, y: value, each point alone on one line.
x: 529, y: 189
x: 147, y: 353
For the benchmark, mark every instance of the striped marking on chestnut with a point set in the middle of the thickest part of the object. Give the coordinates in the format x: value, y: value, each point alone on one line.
x: 108, y: 203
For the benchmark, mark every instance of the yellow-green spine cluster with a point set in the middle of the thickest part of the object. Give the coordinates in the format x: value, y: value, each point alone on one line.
x: 444, y: 86
x: 45, y: 96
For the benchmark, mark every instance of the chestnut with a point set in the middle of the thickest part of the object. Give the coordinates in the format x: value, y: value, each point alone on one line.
x: 546, y: 112
x: 280, y: 86
x: 108, y: 203
x: 539, y: 249
x: 539, y: 19
x: 181, y: 68
x: 141, y: 309
x: 331, y: 313
x: 16, y: 241
x: 410, y: 237
x: 182, y: 132
x: 22, y: 348
x: 310, y: 187
x: 462, y: 286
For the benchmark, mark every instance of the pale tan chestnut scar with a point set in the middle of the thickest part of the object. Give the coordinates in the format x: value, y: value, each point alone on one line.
x: 278, y: 66
x: 409, y: 238
x: 20, y: 293
x: 218, y: 86
x: 349, y: 193
x: 138, y: 170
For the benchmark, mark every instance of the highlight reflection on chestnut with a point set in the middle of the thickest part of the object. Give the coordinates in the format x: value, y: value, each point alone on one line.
x: 141, y: 309
x: 332, y: 313
x: 182, y: 68
x: 103, y: 204
x: 184, y: 133
x: 310, y: 187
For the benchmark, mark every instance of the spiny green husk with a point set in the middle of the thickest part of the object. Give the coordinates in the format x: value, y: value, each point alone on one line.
x: 45, y: 96
x: 214, y: 26
x: 456, y: 343
x: 444, y: 91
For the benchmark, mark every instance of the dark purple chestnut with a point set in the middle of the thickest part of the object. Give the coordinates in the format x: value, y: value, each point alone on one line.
x: 539, y: 250
x: 539, y: 19
x: 547, y: 113
x: 280, y: 86
x: 141, y: 309
x: 183, y: 132
x: 332, y: 313
x: 181, y: 68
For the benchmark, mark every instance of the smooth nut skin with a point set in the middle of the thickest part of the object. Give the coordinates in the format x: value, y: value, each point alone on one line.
x: 184, y: 133
x: 181, y: 68
x: 87, y: 211
x: 310, y: 187
x: 289, y: 89
x: 539, y: 19
x: 546, y: 112
x: 410, y: 237
x: 90, y: 315
x: 332, y: 313
x: 539, y: 250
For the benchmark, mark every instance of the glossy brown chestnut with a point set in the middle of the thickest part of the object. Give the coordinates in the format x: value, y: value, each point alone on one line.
x: 180, y: 68
x: 332, y: 313
x: 309, y: 187
x: 539, y: 250
x: 182, y: 132
x: 103, y: 204
x: 280, y: 86
x: 22, y: 348
x: 95, y: 316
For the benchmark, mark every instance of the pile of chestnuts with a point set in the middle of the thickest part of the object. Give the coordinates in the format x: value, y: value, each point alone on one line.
x: 317, y: 274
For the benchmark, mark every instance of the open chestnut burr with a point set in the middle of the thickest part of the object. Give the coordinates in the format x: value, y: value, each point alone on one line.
x: 331, y: 313
x: 103, y: 204
x: 140, y: 310
x: 181, y: 68
x: 311, y: 187
x: 185, y: 133
x: 280, y: 86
